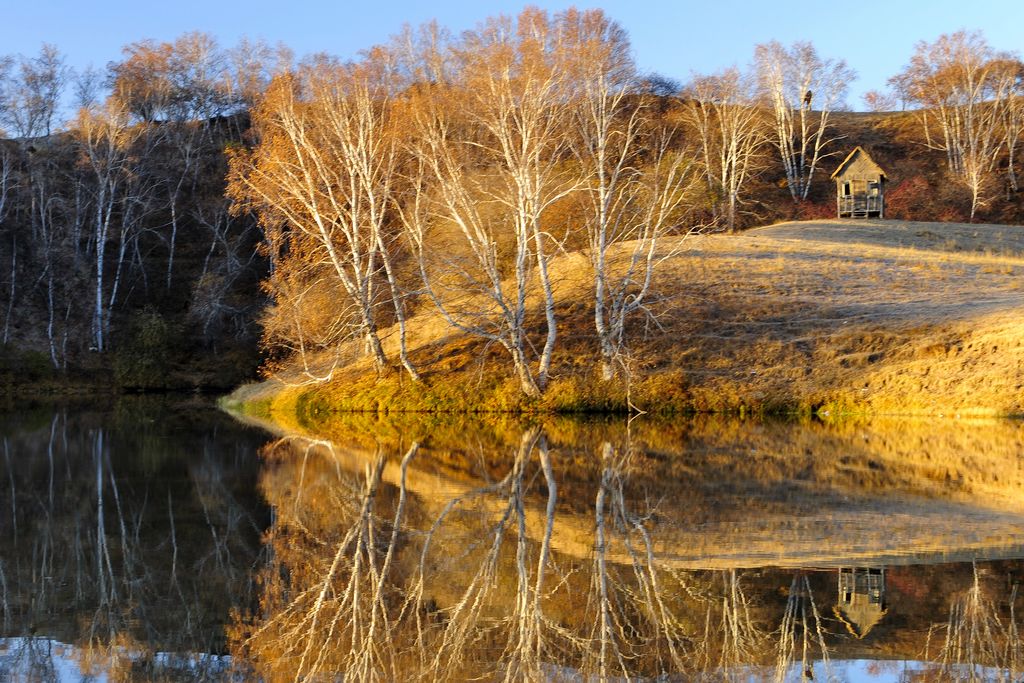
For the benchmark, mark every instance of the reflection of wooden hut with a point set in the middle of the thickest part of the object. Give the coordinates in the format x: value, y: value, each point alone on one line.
x: 860, y: 187
x: 861, y: 602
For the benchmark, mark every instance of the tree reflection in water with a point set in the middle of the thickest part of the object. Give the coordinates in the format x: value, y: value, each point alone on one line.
x: 795, y: 622
x: 124, y: 540
x: 452, y: 550
x: 330, y: 602
x: 977, y: 644
x: 530, y: 561
x: 635, y: 617
x: 734, y: 639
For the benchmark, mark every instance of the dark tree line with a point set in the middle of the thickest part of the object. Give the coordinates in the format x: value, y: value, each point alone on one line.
x: 115, y: 233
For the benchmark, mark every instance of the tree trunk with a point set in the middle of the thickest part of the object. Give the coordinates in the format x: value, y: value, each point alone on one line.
x: 526, y: 380
x: 99, y: 324
x: 396, y: 299
x: 174, y: 236
x: 14, y: 280
x: 373, y: 345
x: 49, y: 324
x: 544, y: 367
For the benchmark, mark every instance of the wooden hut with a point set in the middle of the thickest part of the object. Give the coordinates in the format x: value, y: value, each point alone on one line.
x: 860, y: 187
x: 861, y: 603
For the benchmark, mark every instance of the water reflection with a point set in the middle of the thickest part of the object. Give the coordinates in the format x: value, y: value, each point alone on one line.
x: 861, y: 602
x: 136, y: 543
x: 442, y: 551
x: 127, y: 536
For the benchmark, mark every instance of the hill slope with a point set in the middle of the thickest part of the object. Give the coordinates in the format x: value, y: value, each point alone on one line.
x: 864, y: 316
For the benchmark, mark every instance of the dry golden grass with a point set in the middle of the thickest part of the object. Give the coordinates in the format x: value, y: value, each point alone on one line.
x: 727, y: 493
x: 862, y: 316
x: 869, y: 316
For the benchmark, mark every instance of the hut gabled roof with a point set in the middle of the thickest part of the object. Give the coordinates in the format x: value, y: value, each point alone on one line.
x: 860, y: 157
x: 860, y: 618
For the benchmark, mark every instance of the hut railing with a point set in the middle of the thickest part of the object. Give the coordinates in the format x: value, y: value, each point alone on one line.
x: 859, y: 204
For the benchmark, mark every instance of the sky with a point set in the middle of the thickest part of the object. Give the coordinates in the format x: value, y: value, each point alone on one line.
x: 675, y: 39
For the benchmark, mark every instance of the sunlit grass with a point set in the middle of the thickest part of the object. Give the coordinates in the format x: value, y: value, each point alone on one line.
x: 795, y: 318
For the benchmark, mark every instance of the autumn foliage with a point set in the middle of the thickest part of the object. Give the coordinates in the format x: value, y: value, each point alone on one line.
x: 434, y: 181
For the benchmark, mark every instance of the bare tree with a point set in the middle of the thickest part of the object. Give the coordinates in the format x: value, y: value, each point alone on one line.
x: 88, y: 86
x: 802, y: 90
x: 45, y: 203
x: 28, y: 105
x: 228, y: 257
x: 492, y: 144
x: 200, y: 88
x: 879, y: 101
x: 323, y: 176
x: 7, y: 185
x: 305, y: 322
x: 186, y: 84
x: 633, y: 182
x: 963, y: 87
x: 29, y: 100
x: 6, y: 179
x: 1013, y: 120
x: 252, y: 65
x: 722, y: 112
x: 106, y: 137
x: 140, y: 81
x: 6, y: 86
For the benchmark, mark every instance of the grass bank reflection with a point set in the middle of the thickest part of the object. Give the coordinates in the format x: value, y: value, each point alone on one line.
x: 435, y: 550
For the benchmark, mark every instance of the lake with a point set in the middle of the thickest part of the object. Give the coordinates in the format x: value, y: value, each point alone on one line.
x: 156, y: 538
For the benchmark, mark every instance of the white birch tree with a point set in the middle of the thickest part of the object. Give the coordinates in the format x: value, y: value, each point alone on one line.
x: 633, y: 184
x: 106, y: 136
x: 492, y: 145
x: 30, y: 97
x: 323, y: 175
x: 802, y: 89
x: 963, y: 87
x: 729, y: 126
x: 7, y: 185
x: 1013, y: 122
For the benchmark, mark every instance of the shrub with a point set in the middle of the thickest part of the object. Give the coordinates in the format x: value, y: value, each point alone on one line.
x: 910, y: 200
x: 142, y: 357
x: 21, y: 366
x: 811, y: 211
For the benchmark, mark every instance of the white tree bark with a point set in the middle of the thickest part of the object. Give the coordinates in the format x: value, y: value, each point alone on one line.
x: 505, y: 110
x: 106, y: 138
x: 1013, y: 124
x: 336, y: 186
x: 630, y: 201
x: 796, y: 81
x: 723, y: 113
x: 6, y: 188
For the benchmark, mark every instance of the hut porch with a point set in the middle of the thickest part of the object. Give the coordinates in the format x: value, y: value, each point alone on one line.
x: 860, y: 187
x: 860, y: 199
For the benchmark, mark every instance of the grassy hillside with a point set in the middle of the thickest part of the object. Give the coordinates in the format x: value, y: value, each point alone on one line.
x: 202, y: 331
x: 827, y: 316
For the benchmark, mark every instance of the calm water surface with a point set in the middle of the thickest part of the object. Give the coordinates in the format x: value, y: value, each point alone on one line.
x: 161, y: 540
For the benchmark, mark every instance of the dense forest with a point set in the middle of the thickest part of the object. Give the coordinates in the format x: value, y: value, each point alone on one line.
x: 122, y: 261
x: 204, y: 205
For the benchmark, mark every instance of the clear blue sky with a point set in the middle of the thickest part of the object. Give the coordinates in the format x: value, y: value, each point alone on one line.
x: 875, y: 37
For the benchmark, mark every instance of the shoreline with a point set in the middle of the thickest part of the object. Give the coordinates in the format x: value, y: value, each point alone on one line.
x: 817, y: 318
